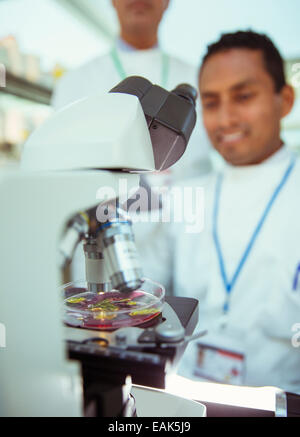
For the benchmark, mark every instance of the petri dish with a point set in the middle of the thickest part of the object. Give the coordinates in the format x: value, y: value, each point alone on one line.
x: 111, y: 310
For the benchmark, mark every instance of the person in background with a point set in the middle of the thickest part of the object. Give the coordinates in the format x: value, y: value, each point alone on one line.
x: 244, y: 267
x: 137, y: 52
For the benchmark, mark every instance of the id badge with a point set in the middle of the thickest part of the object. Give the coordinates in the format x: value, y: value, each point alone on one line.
x: 220, y: 365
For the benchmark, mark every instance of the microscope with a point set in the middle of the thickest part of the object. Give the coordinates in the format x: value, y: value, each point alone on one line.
x: 75, y: 350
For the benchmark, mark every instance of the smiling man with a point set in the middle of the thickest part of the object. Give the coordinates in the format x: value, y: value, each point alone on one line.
x: 244, y: 97
x: 244, y: 267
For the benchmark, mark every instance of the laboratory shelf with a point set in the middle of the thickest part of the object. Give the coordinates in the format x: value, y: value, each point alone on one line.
x: 25, y: 89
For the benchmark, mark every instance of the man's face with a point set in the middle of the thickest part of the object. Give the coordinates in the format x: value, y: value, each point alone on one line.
x: 241, y: 110
x: 139, y: 14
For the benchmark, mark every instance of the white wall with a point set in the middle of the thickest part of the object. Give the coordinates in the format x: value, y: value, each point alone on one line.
x: 191, y: 24
x: 44, y: 27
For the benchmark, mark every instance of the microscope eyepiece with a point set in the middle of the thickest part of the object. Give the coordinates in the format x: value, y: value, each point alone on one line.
x: 170, y: 116
x: 187, y: 92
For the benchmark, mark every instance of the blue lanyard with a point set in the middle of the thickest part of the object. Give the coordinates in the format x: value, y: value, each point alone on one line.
x: 165, y: 66
x: 229, y: 285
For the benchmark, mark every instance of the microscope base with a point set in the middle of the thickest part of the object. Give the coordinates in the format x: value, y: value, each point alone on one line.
x: 105, y: 370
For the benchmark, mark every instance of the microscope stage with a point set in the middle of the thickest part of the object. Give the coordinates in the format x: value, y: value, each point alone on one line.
x: 111, y: 310
x: 134, y: 350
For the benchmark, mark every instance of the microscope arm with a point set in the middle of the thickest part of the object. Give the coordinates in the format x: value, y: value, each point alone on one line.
x: 74, y: 233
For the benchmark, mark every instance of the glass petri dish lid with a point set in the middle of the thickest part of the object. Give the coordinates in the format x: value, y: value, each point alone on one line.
x: 112, y: 309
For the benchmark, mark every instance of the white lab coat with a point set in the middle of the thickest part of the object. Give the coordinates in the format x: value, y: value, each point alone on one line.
x: 99, y: 76
x: 264, y: 308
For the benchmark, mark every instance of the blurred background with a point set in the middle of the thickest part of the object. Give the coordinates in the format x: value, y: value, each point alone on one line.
x: 41, y: 39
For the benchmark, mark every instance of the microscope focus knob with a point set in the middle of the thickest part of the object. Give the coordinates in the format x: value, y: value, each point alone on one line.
x: 168, y: 333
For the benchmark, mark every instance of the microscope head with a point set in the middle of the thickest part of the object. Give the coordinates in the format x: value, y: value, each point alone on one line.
x: 99, y: 132
x: 137, y: 127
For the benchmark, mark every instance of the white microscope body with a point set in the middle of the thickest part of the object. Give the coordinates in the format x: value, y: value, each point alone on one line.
x: 91, y: 144
x: 55, y: 182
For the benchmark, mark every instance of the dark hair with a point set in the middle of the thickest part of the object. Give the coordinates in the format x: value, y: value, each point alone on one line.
x: 252, y: 41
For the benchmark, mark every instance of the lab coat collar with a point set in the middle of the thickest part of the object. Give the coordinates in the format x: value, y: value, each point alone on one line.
x: 277, y: 160
x: 123, y: 46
